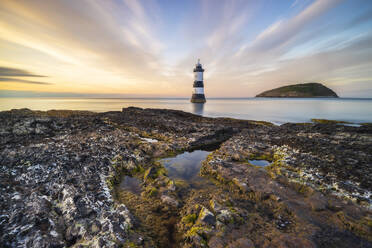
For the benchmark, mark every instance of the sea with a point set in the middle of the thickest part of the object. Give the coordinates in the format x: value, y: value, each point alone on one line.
x: 275, y: 110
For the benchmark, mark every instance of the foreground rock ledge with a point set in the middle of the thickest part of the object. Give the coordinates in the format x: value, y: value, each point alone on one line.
x: 59, y: 169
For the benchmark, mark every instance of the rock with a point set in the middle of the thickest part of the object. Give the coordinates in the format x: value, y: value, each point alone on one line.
x: 150, y: 173
x: 216, y: 207
x: 241, y: 243
x: 23, y: 128
x: 43, y: 224
x: 290, y: 241
x: 171, y: 185
x: 334, y: 205
x: 84, y: 209
x: 59, y: 169
x: 241, y: 185
x: 94, y: 227
x: 73, y: 233
x: 206, y: 217
x: 169, y: 200
x: 318, y: 202
x: 225, y: 216
x: 216, y: 242
x: 236, y: 157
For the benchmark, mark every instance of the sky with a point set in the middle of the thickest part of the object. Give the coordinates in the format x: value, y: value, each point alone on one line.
x: 129, y: 48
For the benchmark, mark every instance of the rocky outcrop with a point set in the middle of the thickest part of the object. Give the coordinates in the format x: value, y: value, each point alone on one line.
x: 59, y: 172
x: 300, y: 90
x: 54, y: 182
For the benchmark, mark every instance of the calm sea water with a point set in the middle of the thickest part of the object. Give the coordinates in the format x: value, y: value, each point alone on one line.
x: 277, y: 110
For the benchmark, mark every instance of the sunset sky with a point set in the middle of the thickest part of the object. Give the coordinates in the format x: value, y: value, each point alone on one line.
x: 148, y: 48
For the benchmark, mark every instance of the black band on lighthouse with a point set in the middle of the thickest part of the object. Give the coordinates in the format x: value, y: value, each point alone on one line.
x: 198, y: 98
x: 198, y: 84
x: 198, y: 68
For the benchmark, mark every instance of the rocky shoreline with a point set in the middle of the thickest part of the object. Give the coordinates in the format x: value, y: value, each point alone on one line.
x: 60, y: 172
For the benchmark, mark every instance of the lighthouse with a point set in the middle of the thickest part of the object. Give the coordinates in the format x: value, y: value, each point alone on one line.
x: 198, y: 92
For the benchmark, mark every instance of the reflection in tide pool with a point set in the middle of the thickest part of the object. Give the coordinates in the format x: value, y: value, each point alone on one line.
x: 131, y: 184
x: 262, y: 163
x: 186, y: 166
x: 277, y: 110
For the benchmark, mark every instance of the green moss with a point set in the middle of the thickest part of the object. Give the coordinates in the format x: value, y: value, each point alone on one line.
x: 301, y: 188
x: 368, y: 221
x: 152, y: 192
x: 361, y: 228
x: 196, y: 230
x: 130, y: 245
x: 204, y: 242
x: 325, y: 121
x: 213, y: 205
x: 262, y: 156
x: 147, y: 173
x: 161, y: 172
x: 171, y: 183
x: 139, y: 170
x: 254, y: 196
x: 189, y: 219
x: 273, y: 170
x: 181, y: 184
x: 264, y: 123
x: 221, y: 179
x: 110, y: 184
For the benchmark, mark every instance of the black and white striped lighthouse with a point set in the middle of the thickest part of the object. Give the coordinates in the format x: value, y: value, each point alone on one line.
x: 198, y: 92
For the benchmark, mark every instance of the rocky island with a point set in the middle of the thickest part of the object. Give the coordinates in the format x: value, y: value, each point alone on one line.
x: 300, y: 90
x: 261, y: 185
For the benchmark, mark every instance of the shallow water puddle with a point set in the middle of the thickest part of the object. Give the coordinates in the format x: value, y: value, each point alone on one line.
x: 350, y: 124
x: 150, y: 140
x: 131, y: 184
x: 262, y: 163
x: 185, y: 166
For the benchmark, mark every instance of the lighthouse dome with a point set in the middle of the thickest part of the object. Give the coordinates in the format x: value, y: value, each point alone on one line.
x: 198, y: 67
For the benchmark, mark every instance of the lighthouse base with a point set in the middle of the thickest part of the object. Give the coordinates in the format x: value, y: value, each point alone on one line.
x: 198, y: 98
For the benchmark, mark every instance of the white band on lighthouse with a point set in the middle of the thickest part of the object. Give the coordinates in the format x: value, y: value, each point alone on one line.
x: 198, y: 91
x: 198, y: 76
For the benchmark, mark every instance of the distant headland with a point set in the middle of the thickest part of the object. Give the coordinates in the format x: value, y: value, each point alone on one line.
x: 300, y: 90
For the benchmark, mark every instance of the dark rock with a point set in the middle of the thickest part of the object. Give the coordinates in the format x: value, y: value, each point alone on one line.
x: 318, y: 202
x: 58, y: 169
x: 216, y: 242
x: 206, y: 217
x: 95, y: 227
x: 241, y: 243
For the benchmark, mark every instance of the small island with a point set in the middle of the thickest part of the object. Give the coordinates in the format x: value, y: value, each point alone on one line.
x: 300, y: 90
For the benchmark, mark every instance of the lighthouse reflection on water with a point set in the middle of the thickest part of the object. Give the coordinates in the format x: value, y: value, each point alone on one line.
x: 198, y: 108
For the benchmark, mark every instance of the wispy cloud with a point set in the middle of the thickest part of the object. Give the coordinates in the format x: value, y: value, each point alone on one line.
x: 15, y: 80
x: 13, y: 72
x: 282, y: 32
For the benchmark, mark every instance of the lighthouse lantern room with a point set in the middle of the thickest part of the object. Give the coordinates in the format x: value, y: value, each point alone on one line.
x: 198, y: 92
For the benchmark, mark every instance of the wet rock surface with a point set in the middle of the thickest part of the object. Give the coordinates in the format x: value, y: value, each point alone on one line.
x: 60, y: 173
